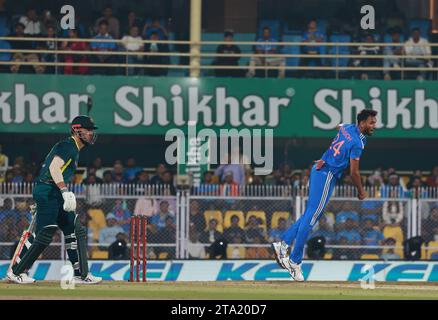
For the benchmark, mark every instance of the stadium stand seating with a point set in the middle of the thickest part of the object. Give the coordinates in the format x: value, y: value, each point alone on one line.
x: 397, y: 233
x: 229, y: 214
x: 430, y: 252
x: 339, y: 62
x: 97, y: 221
x: 260, y: 215
x: 276, y: 216
x: 369, y: 256
x: 274, y: 26
x: 234, y: 252
x: 423, y: 24
x: 292, y: 49
x: 214, y: 214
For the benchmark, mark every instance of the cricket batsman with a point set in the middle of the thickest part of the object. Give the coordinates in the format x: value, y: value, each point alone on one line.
x: 56, y: 207
x: 346, y: 149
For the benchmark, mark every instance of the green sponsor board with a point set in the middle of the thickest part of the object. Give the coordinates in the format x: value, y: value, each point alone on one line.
x: 144, y: 105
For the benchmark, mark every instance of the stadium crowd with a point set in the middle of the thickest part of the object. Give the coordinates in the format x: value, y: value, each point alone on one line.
x: 252, y: 222
x: 406, y: 46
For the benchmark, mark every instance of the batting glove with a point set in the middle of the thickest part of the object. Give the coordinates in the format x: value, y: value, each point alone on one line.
x: 69, y: 201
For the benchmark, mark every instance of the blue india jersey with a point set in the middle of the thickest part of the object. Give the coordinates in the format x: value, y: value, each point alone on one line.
x: 348, y: 144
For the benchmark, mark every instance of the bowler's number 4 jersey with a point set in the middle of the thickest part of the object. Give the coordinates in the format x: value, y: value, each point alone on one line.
x: 67, y: 150
x: 348, y: 144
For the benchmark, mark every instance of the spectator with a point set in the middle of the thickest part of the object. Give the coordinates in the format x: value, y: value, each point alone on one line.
x: 390, y: 254
x: 97, y: 166
x: 75, y: 58
x: 103, y: 47
x: 229, y: 187
x: 235, y: 168
x: 349, y: 232
x: 157, y: 28
x: 371, y: 236
x: 133, y: 43
x: 157, y: 178
x: 366, y: 50
x: 266, y: 48
x: 154, y: 47
x: 142, y: 178
x: 258, y: 252
x: 253, y: 230
x: 31, y: 23
x: 324, y: 230
x: 118, y: 172
x: 417, y: 46
x: 344, y: 253
x: 92, y: 180
x: 4, y: 164
x: 167, y: 180
x: 347, y: 212
x: 131, y: 21
x: 431, y: 180
x: 393, y: 212
x: 275, y: 235
x: 145, y: 207
x: 108, y: 234
x: 393, y: 189
x: 313, y: 37
x: 197, y: 217
x: 159, y: 219
x: 211, y: 234
x: 167, y: 235
x: 112, y: 22
x: 47, y: 19
x: 196, y: 249
x: 234, y: 230
x: 122, y: 214
x: 416, y: 187
x: 131, y: 170
x: 23, y: 57
x: 107, y: 177
x: 118, y: 250
x: 208, y: 176
x: 18, y: 174
x: 228, y: 48
x: 430, y: 226
x: 49, y: 45
x: 393, y: 63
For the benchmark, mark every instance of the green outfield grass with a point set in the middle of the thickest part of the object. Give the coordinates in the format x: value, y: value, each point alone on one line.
x: 221, y: 290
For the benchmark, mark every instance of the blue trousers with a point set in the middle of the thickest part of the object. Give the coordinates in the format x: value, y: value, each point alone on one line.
x: 321, y: 187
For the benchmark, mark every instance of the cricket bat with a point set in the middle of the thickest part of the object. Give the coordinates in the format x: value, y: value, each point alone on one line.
x: 24, y: 236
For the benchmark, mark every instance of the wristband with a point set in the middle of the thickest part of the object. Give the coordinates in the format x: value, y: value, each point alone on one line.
x: 64, y: 190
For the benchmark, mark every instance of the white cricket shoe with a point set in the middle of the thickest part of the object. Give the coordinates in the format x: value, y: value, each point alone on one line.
x: 294, y: 269
x: 23, y: 278
x: 89, y: 279
x: 280, y: 251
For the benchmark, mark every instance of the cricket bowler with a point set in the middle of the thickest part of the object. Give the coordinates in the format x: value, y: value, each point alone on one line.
x: 55, y: 207
x: 345, y: 150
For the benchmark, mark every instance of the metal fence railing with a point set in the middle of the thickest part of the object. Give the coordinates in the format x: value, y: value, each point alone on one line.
x: 184, y: 223
x: 335, y: 57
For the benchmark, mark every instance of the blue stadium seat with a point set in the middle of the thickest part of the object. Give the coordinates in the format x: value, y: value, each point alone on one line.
x: 209, y: 49
x: 321, y: 25
x: 274, y: 25
x: 387, y: 38
x: 4, y: 30
x: 423, y: 24
x: 292, y: 49
x: 340, y: 62
x: 5, y: 56
x: 244, y: 61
